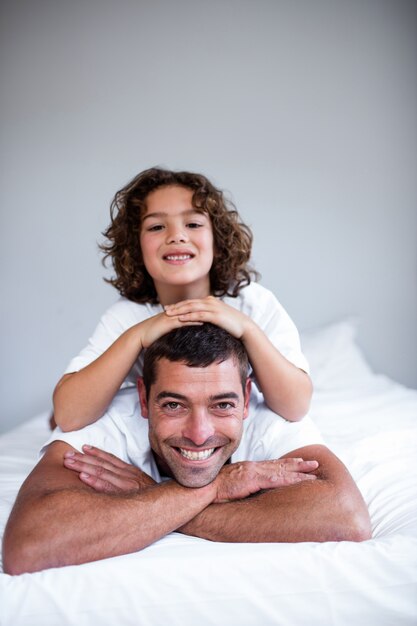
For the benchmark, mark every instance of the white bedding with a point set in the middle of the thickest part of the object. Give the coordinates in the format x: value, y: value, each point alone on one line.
x: 368, y: 420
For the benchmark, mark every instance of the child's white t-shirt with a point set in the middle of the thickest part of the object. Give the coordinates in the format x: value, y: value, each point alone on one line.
x: 255, y: 301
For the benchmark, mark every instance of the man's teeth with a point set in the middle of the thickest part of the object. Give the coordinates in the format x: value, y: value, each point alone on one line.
x: 178, y: 257
x: 197, y: 455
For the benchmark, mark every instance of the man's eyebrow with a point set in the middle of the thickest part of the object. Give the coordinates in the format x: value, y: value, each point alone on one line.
x: 170, y: 394
x: 160, y: 214
x: 225, y: 396
x: 229, y: 395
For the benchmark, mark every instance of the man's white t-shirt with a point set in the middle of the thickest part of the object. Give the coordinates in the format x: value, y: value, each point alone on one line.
x: 123, y: 431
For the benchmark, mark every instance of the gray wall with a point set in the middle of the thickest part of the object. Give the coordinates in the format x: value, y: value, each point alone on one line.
x: 304, y: 110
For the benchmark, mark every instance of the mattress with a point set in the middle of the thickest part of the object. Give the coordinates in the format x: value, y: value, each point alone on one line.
x: 368, y: 420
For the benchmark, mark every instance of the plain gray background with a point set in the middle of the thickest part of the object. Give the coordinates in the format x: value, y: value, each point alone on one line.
x: 305, y: 111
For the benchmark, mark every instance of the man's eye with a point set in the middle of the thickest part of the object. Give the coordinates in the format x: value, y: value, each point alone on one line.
x: 224, y: 406
x: 171, y: 405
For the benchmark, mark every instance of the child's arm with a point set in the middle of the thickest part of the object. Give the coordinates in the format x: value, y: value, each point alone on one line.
x: 82, y: 397
x: 286, y: 388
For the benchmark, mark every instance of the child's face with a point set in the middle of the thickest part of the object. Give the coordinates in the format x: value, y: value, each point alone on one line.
x: 177, y: 243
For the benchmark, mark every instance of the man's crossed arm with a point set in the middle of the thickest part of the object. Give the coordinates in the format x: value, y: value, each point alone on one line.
x: 97, y: 506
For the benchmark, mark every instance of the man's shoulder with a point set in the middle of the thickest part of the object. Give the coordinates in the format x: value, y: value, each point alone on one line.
x: 266, y: 435
x: 111, y: 432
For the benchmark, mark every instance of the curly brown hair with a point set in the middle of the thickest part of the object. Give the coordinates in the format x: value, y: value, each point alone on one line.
x: 232, y: 238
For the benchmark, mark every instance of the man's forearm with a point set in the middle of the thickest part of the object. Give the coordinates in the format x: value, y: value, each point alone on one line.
x: 276, y: 516
x: 328, y: 509
x: 73, y: 524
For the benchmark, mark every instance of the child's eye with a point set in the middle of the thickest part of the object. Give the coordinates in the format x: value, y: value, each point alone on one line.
x: 194, y: 225
x: 155, y: 227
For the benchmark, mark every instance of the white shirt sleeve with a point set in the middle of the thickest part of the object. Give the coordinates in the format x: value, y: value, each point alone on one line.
x: 268, y: 436
x: 114, y: 322
x: 122, y: 431
x: 102, y: 434
x: 262, y: 306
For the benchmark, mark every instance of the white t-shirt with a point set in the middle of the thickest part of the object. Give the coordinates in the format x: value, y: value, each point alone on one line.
x: 123, y: 431
x: 255, y: 301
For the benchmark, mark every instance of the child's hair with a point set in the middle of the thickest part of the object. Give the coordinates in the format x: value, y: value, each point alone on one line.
x: 232, y: 239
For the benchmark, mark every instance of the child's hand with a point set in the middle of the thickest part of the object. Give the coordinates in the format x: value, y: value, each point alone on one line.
x: 161, y: 324
x: 212, y: 310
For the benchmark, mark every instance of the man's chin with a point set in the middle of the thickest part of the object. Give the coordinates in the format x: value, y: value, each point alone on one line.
x: 194, y: 478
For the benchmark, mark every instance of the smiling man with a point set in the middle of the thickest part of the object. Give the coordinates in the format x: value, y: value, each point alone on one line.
x: 196, y: 408
x: 200, y: 460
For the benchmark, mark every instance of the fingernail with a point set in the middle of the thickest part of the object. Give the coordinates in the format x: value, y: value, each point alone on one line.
x: 69, y: 461
x: 87, y: 447
x: 67, y: 454
x: 84, y: 475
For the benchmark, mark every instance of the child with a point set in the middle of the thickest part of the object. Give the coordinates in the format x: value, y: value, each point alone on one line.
x: 180, y: 254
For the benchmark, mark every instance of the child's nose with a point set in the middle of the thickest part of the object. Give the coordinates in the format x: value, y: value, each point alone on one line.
x: 176, y: 234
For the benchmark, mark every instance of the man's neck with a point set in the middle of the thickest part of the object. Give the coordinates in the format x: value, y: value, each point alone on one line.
x: 163, y: 468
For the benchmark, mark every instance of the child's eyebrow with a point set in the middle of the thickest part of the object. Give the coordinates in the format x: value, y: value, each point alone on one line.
x: 160, y: 214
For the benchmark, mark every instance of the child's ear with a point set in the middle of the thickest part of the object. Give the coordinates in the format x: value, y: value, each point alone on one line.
x: 142, y: 398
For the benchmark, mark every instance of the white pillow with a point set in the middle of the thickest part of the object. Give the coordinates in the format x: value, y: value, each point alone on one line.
x: 334, y: 356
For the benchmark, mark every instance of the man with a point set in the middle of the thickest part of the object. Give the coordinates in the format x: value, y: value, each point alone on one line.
x: 185, y: 470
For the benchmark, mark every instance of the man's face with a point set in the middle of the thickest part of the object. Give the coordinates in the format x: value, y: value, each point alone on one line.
x: 195, y: 418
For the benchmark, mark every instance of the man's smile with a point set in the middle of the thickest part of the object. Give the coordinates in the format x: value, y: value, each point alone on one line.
x: 195, y: 417
x: 197, y: 455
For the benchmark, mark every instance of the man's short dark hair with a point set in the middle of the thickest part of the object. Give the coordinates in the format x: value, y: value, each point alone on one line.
x: 196, y: 346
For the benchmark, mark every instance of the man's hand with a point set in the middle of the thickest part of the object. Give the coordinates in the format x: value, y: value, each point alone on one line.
x: 240, y: 480
x: 105, y: 472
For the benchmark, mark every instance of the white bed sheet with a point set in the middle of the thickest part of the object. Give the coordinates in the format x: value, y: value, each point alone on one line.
x: 370, y: 424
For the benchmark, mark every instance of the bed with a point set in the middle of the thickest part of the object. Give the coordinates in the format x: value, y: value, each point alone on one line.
x: 368, y: 420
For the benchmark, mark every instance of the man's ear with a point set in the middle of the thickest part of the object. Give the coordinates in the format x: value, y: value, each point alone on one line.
x: 248, y: 387
x: 142, y: 398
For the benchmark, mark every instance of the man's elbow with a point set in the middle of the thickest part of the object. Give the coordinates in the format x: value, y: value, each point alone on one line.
x: 354, y: 524
x: 360, y: 527
x: 26, y: 545
x: 19, y: 557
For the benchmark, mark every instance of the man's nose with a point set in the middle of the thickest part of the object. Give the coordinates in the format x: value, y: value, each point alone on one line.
x: 199, y: 427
